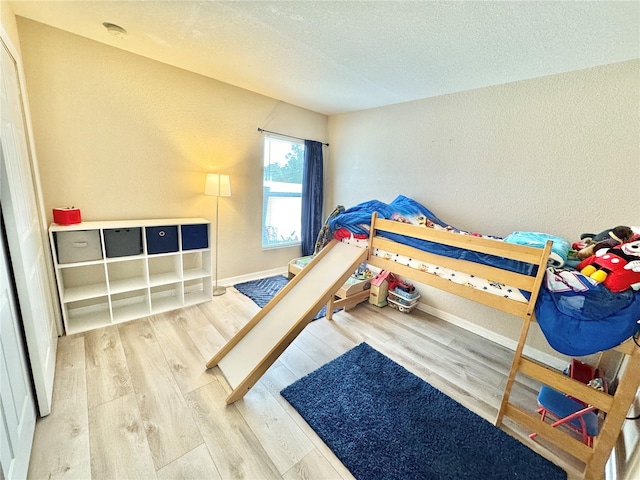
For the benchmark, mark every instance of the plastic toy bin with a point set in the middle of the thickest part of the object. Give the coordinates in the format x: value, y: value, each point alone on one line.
x: 404, y: 298
x: 403, y: 301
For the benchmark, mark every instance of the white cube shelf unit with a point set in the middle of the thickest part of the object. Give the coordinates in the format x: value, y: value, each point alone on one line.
x: 116, y: 271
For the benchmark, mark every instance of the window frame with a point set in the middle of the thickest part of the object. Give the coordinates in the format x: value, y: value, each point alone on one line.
x: 266, y: 195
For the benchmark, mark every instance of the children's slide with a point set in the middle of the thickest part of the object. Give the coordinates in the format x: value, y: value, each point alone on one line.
x: 251, y: 351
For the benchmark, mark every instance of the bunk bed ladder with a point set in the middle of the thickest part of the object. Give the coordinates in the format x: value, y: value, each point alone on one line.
x: 616, y: 406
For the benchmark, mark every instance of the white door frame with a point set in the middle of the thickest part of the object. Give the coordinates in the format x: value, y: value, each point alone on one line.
x: 35, y: 173
x: 18, y: 409
x: 23, y: 216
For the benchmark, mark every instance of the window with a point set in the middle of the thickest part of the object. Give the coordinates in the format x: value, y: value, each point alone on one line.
x: 282, y: 192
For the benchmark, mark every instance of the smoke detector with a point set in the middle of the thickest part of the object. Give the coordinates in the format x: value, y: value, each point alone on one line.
x: 115, y: 30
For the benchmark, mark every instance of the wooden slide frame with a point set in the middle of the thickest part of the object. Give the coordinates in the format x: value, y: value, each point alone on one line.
x: 312, y: 305
x: 616, y: 406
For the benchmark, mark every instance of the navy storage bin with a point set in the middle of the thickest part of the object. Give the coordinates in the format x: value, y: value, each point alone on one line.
x: 162, y: 239
x: 122, y: 242
x: 195, y: 236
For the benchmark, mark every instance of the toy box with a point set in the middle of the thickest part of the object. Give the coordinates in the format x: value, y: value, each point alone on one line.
x: 404, y: 298
x: 67, y: 216
x: 403, y: 301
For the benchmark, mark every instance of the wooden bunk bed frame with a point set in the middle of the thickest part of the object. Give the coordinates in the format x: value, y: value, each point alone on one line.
x: 616, y: 406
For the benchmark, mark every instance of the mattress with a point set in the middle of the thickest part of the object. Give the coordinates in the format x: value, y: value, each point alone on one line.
x: 455, y: 276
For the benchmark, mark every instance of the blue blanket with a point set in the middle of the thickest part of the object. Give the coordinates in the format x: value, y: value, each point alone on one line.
x: 582, y: 323
x: 358, y: 219
x: 574, y: 323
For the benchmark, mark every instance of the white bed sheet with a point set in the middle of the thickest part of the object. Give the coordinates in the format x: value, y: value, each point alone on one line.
x: 470, y: 281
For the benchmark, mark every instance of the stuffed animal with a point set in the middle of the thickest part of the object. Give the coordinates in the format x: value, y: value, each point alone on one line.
x: 606, y: 239
x: 616, y: 268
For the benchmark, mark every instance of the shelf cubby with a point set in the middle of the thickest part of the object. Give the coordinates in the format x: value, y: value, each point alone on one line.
x: 165, y: 269
x: 196, y: 265
x: 166, y: 297
x: 196, y: 291
x: 127, y: 275
x: 87, y: 314
x: 82, y: 282
x: 130, y: 305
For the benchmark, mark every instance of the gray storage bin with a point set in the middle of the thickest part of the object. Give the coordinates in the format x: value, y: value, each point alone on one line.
x: 122, y: 242
x: 78, y: 246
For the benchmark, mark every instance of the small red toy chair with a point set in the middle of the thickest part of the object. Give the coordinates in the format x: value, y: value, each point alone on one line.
x: 568, y: 410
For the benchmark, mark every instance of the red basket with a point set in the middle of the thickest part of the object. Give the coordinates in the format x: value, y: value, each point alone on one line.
x: 67, y: 216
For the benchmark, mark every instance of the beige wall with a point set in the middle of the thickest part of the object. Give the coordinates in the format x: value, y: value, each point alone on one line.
x: 124, y: 137
x: 557, y: 154
x: 8, y: 22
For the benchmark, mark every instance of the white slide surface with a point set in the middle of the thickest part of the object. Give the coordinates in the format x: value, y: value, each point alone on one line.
x: 308, y: 294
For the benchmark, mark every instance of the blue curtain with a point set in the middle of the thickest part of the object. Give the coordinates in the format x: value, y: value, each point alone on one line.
x: 312, y: 195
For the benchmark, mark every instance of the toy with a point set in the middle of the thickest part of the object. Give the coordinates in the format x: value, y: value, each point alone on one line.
x: 380, y: 287
x: 67, y: 216
x: 616, y: 268
x: 362, y: 272
x: 619, y: 231
x: 606, y: 239
x: 402, y: 300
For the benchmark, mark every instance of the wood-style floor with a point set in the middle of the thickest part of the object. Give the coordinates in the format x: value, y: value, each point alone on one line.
x: 135, y: 400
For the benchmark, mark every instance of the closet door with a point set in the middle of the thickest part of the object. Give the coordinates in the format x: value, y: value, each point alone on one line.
x: 18, y: 419
x: 24, y: 234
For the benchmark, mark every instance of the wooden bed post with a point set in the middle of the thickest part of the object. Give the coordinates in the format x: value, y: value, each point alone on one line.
x: 612, y: 425
x: 515, y: 365
x: 372, y: 233
x: 527, y: 318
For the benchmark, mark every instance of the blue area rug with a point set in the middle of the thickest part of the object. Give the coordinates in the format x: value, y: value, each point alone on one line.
x: 383, y: 422
x: 264, y: 289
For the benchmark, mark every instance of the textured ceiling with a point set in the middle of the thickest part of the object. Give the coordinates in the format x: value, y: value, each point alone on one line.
x: 340, y: 56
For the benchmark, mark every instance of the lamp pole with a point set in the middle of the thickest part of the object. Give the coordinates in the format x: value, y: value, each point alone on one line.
x: 218, y: 290
x: 217, y: 185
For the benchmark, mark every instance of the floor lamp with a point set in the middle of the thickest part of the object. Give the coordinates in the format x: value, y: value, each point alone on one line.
x: 217, y: 185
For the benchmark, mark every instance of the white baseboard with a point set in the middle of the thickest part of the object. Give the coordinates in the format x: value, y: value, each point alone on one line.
x: 530, y: 352
x: 230, y: 281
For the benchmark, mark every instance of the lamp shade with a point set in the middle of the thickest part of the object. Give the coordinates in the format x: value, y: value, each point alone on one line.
x: 217, y: 185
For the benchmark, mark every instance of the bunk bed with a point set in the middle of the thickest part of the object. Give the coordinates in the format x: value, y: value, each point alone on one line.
x: 405, y: 247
